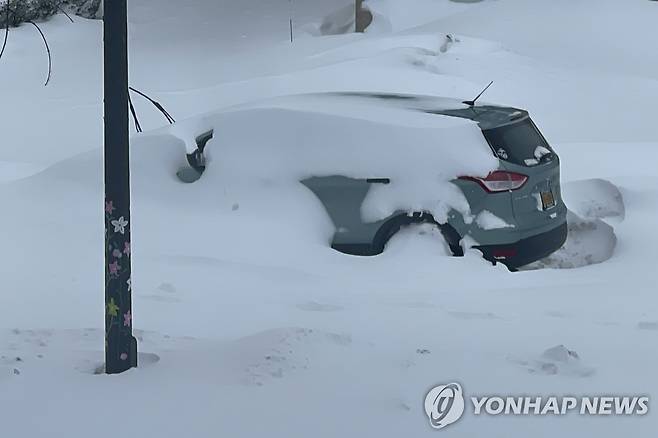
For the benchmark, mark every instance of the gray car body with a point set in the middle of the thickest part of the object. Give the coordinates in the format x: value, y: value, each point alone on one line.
x: 342, y: 197
x: 533, y: 231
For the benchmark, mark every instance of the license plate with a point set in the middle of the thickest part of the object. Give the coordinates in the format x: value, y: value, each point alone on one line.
x: 547, y: 200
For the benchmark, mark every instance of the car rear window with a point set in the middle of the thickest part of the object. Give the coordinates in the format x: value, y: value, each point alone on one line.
x: 519, y: 143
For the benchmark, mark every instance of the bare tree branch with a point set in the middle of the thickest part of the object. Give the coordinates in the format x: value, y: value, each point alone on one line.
x: 57, y: 5
x: 4, y: 44
x: 155, y: 103
x: 50, y: 60
x: 138, y: 127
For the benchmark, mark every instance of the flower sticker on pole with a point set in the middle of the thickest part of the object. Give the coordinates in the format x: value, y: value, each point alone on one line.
x: 120, y: 225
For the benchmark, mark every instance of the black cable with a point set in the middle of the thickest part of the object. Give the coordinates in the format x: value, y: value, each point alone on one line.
x: 50, y: 60
x: 4, y: 44
x: 138, y: 127
x: 57, y: 5
x: 160, y: 108
x: 43, y: 37
x: 168, y: 116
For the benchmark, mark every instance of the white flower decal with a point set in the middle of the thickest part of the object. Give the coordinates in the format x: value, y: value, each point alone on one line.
x: 129, y: 283
x: 120, y: 225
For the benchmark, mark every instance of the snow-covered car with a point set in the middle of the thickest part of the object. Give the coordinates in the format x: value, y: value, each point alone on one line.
x: 373, y: 180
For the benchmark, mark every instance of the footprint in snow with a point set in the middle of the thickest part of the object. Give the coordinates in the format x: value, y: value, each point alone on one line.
x: 8, y: 372
x: 25, y: 350
x: 474, y: 315
x: 277, y: 353
x: 313, y: 306
x: 558, y: 360
x: 418, y: 305
x: 648, y: 325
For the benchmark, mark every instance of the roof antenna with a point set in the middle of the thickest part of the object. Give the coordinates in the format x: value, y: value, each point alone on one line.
x: 471, y: 103
x: 291, y: 13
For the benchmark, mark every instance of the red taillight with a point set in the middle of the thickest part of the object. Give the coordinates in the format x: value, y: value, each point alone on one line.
x: 503, y: 253
x: 499, y: 181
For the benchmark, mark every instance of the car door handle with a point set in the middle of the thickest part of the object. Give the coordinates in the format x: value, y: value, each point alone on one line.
x: 378, y: 180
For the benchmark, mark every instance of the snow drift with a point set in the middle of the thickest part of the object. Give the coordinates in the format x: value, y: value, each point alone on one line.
x: 290, y: 139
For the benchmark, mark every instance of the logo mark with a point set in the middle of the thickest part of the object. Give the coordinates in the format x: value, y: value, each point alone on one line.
x: 444, y: 405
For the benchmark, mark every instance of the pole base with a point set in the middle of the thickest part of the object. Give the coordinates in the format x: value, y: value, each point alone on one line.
x: 123, y: 364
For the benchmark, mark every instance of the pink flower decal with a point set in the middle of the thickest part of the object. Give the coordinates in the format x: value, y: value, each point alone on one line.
x: 126, y: 248
x: 109, y: 207
x: 123, y: 356
x: 114, y: 268
x: 127, y: 319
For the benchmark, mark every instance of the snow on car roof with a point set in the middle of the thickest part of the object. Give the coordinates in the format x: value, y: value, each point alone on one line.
x: 366, y: 106
x: 286, y: 140
x: 386, y: 109
x: 487, y: 116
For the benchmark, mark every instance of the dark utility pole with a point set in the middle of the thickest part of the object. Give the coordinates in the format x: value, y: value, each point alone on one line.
x: 120, y: 345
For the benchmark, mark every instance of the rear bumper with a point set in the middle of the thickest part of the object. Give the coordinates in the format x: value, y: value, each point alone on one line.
x: 527, y: 250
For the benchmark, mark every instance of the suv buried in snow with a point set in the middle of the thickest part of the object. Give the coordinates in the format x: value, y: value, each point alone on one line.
x: 520, y: 215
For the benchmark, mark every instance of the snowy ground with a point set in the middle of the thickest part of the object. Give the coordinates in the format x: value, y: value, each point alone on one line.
x: 248, y: 324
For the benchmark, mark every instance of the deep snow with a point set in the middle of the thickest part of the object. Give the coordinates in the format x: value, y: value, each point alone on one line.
x: 287, y: 140
x: 248, y: 323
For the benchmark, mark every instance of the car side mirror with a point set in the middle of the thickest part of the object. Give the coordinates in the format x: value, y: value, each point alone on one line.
x: 196, y: 160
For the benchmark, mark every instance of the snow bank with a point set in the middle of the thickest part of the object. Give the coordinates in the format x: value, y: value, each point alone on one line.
x: 388, y: 15
x: 396, y: 15
x: 595, y: 199
x: 591, y: 240
x: 558, y: 360
x: 289, y: 140
x: 13, y: 171
x: 336, y: 23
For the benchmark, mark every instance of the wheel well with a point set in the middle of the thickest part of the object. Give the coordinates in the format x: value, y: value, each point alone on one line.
x: 393, y: 225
